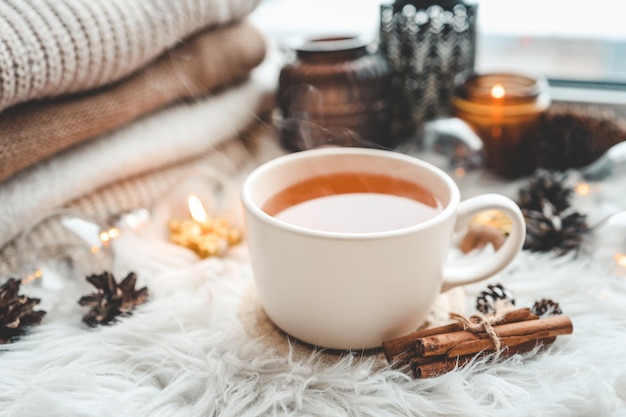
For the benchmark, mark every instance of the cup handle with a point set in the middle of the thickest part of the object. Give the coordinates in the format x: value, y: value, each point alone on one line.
x: 455, y: 276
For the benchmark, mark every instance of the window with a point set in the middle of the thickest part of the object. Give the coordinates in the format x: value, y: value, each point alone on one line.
x: 562, y: 39
x: 578, y: 45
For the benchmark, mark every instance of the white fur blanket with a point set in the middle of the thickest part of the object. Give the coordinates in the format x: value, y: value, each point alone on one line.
x: 196, y: 347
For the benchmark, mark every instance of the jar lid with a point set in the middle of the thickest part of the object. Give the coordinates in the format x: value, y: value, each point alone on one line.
x: 516, y: 86
x: 329, y: 42
x: 506, y: 92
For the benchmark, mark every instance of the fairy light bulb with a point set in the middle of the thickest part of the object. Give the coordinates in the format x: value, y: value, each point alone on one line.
x: 620, y: 259
x: 65, y: 244
x: 582, y: 189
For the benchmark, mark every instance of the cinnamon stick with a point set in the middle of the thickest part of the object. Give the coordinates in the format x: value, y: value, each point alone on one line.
x: 419, y: 361
x: 440, y: 367
x: 428, y: 367
x: 402, y: 359
x: 394, y: 347
x: 403, y: 344
x: 475, y: 346
x: 464, y: 342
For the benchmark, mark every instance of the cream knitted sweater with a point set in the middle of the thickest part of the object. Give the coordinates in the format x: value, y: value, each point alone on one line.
x: 53, y: 47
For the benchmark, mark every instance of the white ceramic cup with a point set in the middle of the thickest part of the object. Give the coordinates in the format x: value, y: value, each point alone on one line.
x: 356, y: 290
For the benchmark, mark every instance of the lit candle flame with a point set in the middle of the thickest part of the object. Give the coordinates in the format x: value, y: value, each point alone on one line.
x: 197, y: 209
x: 497, y: 91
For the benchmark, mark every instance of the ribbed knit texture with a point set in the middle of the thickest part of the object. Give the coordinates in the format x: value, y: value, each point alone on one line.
x: 173, y: 134
x: 210, y: 60
x: 230, y: 158
x: 54, y: 47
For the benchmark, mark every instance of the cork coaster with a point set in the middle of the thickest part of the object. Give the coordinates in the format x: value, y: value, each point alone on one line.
x: 258, y: 325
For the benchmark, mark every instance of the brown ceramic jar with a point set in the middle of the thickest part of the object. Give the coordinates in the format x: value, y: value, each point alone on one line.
x: 335, y: 92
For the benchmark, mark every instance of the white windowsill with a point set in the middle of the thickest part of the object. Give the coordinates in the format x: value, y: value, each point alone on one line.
x: 615, y: 100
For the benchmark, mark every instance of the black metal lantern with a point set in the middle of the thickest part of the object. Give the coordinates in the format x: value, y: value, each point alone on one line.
x: 427, y: 43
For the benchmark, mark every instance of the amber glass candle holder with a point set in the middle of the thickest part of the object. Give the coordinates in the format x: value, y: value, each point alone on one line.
x: 505, y: 110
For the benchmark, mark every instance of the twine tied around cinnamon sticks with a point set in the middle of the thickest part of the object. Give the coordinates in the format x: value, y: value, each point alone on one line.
x: 484, y: 322
x: 431, y: 352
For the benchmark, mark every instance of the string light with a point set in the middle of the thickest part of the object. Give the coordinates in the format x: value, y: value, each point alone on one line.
x: 620, y: 259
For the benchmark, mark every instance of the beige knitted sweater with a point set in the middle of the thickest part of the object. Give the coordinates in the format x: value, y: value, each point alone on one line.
x: 53, y: 47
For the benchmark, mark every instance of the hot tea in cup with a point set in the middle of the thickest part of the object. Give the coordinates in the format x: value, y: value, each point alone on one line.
x: 353, y: 202
x: 348, y: 246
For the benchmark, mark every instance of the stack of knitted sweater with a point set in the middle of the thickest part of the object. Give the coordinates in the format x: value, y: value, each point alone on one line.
x: 105, y: 104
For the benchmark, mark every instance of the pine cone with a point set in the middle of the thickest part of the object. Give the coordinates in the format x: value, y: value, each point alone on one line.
x: 545, y: 186
x: 574, y: 136
x: 486, y: 300
x: 548, y: 231
x: 16, y: 311
x: 546, y: 307
x: 111, y: 300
